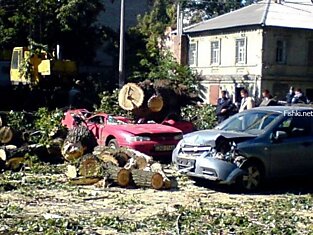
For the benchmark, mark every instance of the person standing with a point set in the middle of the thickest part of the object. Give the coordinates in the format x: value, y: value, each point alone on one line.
x: 75, y: 95
x: 299, y: 97
x: 290, y: 95
x: 224, y: 107
x: 247, y: 102
x: 267, y: 99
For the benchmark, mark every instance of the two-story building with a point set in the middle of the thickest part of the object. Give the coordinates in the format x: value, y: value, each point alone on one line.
x: 266, y: 45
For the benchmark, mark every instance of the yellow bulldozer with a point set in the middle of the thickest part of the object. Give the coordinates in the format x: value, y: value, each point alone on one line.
x: 28, y: 67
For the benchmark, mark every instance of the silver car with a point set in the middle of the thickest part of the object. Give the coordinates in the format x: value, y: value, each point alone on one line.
x: 251, y: 146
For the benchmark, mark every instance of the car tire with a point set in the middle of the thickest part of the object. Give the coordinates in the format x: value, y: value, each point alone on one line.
x: 252, y: 180
x: 113, y: 144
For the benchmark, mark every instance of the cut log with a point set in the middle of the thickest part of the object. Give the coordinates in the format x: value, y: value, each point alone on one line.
x: 3, y: 155
x: 85, y: 180
x: 108, y: 158
x: 71, y: 172
x: 15, y: 163
x: 122, y: 156
x: 155, y: 103
x: 118, y: 175
x: 6, y: 134
x: 107, y: 155
x: 130, y: 96
x: 13, y: 157
x: 147, y: 179
x: 83, y: 135
x: 72, y: 151
x: 90, y: 165
x: 138, y: 160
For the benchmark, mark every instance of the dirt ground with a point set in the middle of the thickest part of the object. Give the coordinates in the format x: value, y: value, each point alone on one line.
x: 47, y: 204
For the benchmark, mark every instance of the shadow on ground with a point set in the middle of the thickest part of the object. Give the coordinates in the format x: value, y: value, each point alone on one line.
x: 296, y: 186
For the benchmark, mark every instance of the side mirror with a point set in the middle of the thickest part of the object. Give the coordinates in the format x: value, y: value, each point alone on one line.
x: 279, y: 135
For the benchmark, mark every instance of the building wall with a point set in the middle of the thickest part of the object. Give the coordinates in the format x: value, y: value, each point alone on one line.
x: 228, y: 75
x: 296, y: 71
x: 111, y: 18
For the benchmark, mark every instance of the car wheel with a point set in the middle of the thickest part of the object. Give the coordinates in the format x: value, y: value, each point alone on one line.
x: 252, y: 180
x: 113, y: 144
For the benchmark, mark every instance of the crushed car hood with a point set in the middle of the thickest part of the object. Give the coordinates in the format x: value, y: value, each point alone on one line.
x: 138, y: 129
x: 208, y: 137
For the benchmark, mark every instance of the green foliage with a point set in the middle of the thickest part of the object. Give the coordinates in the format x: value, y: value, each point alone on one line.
x: 197, y: 11
x: 202, y: 116
x: 154, y: 62
x: 70, y: 23
x: 109, y: 104
x: 44, y: 122
x: 48, y: 123
x: 19, y: 121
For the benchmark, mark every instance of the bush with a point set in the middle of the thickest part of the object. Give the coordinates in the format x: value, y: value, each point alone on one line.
x: 46, y: 124
x: 203, y: 117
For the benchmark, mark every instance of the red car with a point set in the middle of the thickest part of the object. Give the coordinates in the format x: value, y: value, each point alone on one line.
x: 152, y: 139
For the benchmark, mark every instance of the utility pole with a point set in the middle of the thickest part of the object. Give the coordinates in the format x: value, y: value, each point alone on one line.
x: 179, y: 22
x: 121, y: 73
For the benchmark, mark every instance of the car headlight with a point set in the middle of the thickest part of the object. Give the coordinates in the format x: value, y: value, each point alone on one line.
x: 178, y: 137
x: 137, y: 138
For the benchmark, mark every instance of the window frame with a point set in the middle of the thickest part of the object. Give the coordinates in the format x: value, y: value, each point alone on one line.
x: 193, y: 53
x: 215, y: 56
x: 238, y: 59
x: 281, y: 52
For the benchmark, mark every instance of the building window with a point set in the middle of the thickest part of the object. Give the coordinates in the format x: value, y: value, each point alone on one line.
x: 193, y: 54
x: 215, y: 52
x: 310, y: 53
x: 281, y: 54
x: 241, y: 51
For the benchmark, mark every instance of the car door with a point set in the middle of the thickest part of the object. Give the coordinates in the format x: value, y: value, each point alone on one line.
x: 94, y: 124
x: 293, y: 154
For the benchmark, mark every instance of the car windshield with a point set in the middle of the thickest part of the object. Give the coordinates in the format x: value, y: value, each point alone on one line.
x: 249, y: 122
x: 113, y: 121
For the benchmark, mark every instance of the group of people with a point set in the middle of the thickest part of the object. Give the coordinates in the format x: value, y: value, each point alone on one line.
x: 225, y: 107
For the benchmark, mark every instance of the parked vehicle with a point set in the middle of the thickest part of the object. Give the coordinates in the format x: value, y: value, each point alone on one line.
x: 152, y: 139
x: 251, y: 146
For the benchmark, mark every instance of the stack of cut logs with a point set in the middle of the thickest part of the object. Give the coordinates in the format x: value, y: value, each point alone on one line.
x: 10, y: 156
x: 89, y: 163
x: 14, y: 148
x: 123, y: 167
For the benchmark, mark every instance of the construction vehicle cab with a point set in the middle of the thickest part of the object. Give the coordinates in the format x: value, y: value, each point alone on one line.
x: 29, y: 67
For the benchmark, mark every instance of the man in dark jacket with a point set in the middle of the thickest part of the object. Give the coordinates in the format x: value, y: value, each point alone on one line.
x: 224, y: 107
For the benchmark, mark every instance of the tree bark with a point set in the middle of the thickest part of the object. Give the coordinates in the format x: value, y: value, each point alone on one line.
x: 119, y: 175
x: 147, y: 179
x: 90, y: 165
